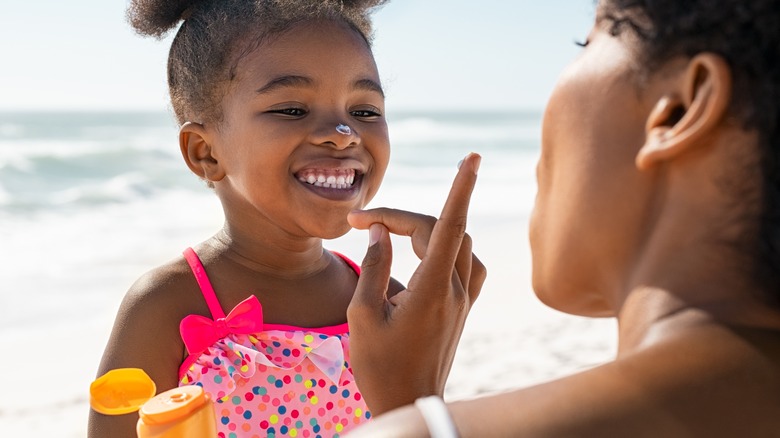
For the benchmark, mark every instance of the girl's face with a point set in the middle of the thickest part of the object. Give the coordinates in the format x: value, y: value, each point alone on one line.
x: 589, y: 205
x: 286, y: 164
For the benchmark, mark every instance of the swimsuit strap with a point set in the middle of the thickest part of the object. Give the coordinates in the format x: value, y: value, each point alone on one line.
x: 205, y: 285
x: 355, y: 267
x: 208, y: 290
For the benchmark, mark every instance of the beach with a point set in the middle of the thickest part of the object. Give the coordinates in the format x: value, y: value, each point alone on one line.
x: 89, y: 202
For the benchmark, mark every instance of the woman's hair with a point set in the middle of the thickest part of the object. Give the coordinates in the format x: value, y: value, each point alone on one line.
x: 746, y: 33
x: 215, y: 34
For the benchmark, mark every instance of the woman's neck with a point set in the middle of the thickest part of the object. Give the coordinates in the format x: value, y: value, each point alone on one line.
x: 688, y: 271
x: 653, y: 312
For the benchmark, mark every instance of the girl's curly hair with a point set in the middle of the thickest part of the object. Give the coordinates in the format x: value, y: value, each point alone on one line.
x: 214, y: 34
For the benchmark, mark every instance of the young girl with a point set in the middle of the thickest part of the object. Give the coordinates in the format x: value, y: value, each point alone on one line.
x: 281, y: 112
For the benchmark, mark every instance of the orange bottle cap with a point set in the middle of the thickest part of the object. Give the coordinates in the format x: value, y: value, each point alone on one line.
x: 121, y: 391
x: 173, y: 405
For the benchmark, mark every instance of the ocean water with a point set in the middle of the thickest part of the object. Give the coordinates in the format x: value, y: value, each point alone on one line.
x: 89, y: 201
x: 65, y: 163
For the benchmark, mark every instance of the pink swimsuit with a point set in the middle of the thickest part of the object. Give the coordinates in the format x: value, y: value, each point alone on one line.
x: 268, y: 379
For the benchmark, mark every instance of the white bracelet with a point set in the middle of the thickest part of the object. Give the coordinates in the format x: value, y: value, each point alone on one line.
x: 436, y: 417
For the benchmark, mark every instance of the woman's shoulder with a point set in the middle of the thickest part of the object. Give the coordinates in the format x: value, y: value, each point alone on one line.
x: 714, y: 380
x: 713, y: 353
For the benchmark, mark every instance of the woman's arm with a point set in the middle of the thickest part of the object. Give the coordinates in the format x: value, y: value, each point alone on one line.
x: 710, y: 381
x: 598, y: 402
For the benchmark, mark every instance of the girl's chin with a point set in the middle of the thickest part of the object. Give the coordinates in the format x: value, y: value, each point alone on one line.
x: 334, y: 232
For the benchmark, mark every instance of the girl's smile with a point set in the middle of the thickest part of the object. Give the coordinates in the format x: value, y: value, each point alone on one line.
x: 341, y: 179
x: 336, y: 180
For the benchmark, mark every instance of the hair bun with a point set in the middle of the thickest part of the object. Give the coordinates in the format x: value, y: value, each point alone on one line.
x: 157, y: 17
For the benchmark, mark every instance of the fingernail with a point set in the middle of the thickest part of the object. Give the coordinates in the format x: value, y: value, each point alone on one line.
x: 477, y: 161
x: 374, y: 233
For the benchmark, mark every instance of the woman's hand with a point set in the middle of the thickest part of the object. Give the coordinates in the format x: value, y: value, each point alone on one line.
x: 402, y: 347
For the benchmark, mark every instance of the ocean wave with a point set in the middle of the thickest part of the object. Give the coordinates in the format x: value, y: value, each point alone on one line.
x: 428, y: 130
x: 86, y: 174
x: 80, y: 125
x: 11, y: 130
x: 5, y: 197
x: 120, y: 189
x: 22, y: 149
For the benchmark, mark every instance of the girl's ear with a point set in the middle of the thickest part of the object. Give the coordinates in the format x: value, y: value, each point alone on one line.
x: 198, y: 153
x: 690, y: 111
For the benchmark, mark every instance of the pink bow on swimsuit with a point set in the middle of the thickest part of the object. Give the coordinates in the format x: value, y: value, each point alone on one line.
x: 199, y: 332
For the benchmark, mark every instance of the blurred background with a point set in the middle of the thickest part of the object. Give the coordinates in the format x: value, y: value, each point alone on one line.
x: 93, y: 191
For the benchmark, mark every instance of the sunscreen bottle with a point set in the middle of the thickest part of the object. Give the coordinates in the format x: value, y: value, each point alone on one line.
x: 177, y: 413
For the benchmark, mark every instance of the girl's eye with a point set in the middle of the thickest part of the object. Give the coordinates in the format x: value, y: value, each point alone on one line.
x: 292, y: 112
x: 365, y: 113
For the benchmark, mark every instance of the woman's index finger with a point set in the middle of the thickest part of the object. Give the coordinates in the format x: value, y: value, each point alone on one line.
x: 451, y: 226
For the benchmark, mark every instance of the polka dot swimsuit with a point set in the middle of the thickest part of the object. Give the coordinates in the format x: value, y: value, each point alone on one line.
x: 278, y: 381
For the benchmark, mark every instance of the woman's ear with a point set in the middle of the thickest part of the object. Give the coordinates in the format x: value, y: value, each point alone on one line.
x: 694, y: 106
x: 196, y: 148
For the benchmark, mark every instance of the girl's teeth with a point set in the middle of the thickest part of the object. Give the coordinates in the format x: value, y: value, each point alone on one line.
x: 343, y: 179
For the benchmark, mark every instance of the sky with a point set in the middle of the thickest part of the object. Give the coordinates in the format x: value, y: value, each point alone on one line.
x: 432, y: 54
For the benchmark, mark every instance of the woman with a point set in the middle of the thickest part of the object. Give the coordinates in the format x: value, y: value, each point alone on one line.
x: 659, y: 204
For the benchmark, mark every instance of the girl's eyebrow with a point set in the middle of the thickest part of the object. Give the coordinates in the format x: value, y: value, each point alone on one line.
x: 291, y: 81
x: 285, y: 82
x: 369, y: 85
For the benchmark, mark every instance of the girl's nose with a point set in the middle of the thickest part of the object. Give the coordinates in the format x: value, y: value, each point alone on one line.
x: 338, y: 135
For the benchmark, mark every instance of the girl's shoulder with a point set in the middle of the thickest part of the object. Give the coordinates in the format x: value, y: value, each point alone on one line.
x: 146, y: 331
x: 156, y: 303
x: 170, y: 287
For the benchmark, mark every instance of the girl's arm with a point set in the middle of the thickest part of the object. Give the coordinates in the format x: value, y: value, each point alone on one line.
x: 145, y: 335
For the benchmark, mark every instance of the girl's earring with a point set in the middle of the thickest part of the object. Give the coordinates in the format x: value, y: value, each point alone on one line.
x: 343, y: 129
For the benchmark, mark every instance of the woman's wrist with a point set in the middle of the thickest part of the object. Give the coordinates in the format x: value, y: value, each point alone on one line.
x: 437, y: 417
